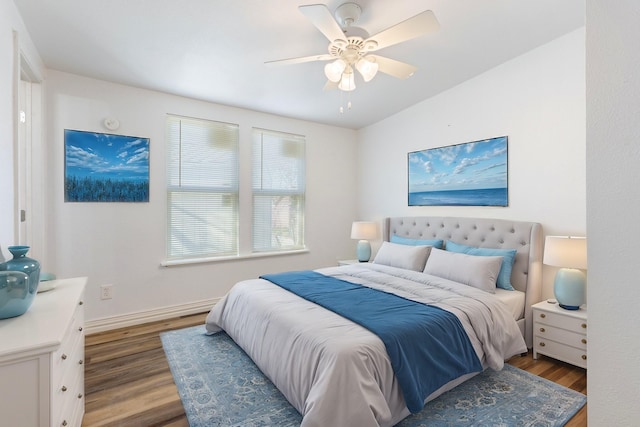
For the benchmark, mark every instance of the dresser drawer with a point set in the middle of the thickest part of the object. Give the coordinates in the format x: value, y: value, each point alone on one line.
x: 565, y: 322
x: 71, y: 405
x: 63, y: 358
x: 70, y: 387
x: 560, y: 351
x: 564, y: 336
x: 67, y: 375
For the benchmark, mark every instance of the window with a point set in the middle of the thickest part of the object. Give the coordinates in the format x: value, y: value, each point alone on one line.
x: 278, y: 186
x: 202, y: 188
x: 205, y: 216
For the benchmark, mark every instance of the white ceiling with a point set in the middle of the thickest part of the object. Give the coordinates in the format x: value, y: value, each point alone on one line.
x: 215, y: 50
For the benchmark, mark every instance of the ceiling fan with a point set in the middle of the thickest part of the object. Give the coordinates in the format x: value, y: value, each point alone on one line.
x: 350, y: 47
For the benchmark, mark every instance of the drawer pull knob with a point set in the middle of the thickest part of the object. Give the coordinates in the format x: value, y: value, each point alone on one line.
x: 80, y: 362
x: 63, y: 357
x: 81, y: 302
x: 80, y: 329
x: 542, y: 329
x: 79, y: 395
x: 584, y: 326
x: 584, y: 357
x: 584, y: 341
x: 64, y: 388
x: 543, y: 315
x: 542, y: 344
x: 64, y: 423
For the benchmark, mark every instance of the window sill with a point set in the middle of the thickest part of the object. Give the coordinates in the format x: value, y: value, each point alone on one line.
x: 179, y: 262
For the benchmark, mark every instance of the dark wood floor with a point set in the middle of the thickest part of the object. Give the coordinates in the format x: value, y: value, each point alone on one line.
x: 128, y: 381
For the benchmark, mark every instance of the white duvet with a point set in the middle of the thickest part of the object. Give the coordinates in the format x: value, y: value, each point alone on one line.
x: 335, y: 372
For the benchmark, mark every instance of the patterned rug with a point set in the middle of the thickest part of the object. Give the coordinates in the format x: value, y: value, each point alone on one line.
x: 220, y: 386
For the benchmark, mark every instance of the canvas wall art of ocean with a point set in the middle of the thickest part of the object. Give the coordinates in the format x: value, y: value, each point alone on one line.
x: 482, y: 197
x: 469, y: 174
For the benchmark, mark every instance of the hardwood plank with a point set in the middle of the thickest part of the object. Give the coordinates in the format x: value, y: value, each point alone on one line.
x: 128, y: 381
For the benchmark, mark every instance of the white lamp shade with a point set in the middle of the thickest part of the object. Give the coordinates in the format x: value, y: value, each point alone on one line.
x: 565, y: 251
x: 347, y: 82
x: 364, y: 230
x: 367, y: 67
x: 333, y: 70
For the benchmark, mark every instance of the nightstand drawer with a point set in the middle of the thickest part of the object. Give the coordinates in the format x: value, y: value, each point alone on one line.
x: 560, y: 335
x: 560, y: 321
x: 559, y: 351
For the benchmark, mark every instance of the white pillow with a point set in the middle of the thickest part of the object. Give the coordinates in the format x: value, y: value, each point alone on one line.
x: 402, y: 256
x: 478, y: 271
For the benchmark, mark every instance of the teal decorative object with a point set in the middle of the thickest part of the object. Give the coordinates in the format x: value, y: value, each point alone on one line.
x: 19, y: 279
x: 570, y: 288
x: 15, y: 298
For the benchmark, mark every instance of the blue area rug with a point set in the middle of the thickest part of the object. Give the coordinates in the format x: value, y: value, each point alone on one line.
x: 220, y: 386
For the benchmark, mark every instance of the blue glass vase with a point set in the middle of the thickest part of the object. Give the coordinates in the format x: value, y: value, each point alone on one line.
x: 19, y: 279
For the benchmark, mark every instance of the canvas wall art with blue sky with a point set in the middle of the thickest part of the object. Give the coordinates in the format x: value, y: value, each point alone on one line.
x: 469, y: 174
x: 102, y: 167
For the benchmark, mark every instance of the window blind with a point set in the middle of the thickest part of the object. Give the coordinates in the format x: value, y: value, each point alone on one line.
x: 202, y: 188
x: 278, y: 186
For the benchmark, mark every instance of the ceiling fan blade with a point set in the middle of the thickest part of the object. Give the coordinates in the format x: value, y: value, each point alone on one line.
x: 329, y: 85
x: 321, y: 17
x: 394, y: 68
x: 422, y: 23
x: 300, y: 60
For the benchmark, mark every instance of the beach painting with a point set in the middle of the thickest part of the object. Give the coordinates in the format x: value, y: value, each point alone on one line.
x: 101, y: 167
x: 469, y: 174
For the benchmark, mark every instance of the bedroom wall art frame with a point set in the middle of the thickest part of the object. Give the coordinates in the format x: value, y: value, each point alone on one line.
x: 102, y: 167
x: 468, y: 174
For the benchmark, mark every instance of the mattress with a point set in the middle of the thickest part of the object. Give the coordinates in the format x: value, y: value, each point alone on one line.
x: 335, y: 372
x: 514, y: 300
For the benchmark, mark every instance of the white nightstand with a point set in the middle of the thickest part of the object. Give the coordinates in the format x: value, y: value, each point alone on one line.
x: 560, y: 333
x: 348, y: 261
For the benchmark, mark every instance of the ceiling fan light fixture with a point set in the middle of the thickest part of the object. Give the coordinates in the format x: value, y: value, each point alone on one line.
x: 333, y: 70
x: 368, y: 67
x: 347, y: 82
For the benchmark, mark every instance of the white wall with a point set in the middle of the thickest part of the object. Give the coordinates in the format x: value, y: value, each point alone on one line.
x: 11, y: 26
x: 613, y: 204
x: 123, y: 244
x: 537, y: 100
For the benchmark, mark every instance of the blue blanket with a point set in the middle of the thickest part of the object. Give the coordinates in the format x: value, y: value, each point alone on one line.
x: 427, y: 346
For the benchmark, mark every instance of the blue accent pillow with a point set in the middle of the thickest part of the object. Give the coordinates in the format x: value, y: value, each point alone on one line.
x: 509, y: 256
x: 416, y: 242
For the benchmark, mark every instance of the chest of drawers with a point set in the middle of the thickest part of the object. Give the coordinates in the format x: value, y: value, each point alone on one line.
x: 560, y: 333
x: 42, y: 360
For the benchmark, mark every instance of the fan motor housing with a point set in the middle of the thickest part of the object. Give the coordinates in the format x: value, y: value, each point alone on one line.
x: 347, y: 14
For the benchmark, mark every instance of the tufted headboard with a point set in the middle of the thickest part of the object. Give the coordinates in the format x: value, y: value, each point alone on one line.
x: 525, y: 237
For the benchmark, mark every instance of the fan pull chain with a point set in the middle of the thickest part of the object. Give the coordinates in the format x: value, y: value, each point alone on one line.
x: 342, y: 101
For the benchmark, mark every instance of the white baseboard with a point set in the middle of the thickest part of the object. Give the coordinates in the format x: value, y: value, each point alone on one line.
x: 132, y: 319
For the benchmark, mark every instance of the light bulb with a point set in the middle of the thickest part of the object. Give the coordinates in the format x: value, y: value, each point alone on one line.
x: 347, y: 82
x: 367, y: 67
x: 333, y: 70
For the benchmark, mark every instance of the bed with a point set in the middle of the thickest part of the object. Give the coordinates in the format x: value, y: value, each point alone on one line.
x: 335, y: 371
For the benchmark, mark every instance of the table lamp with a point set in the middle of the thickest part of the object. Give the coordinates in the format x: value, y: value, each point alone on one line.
x: 570, y: 254
x: 364, y: 231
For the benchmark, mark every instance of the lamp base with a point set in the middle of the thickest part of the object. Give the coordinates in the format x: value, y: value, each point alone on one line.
x: 570, y: 288
x: 363, y: 251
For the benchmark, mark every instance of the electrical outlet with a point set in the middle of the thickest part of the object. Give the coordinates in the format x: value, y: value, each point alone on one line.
x: 106, y: 291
